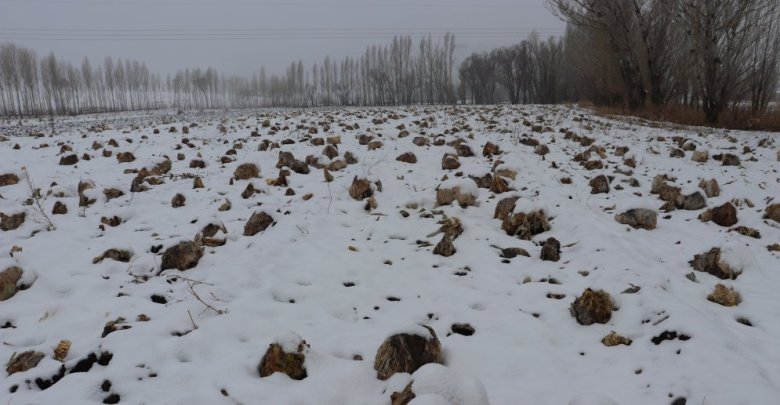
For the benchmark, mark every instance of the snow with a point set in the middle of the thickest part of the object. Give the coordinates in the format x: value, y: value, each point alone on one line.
x: 289, y: 342
x: 454, y: 388
x: 592, y: 399
x: 465, y: 185
x: 290, y: 281
x: 429, y: 399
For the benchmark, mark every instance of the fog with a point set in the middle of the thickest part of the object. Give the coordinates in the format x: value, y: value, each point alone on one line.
x: 239, y: 36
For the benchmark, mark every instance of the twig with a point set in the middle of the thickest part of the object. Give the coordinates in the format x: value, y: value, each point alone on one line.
x: 197, y: 297
x: 330, y: 201
x: 194, y: 325
x: 35, y: 195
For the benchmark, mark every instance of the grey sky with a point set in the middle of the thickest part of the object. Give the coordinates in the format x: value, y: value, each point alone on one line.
x: 239, y: 36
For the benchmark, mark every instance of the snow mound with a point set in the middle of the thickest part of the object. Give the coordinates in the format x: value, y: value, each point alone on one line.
x: 592, y: 399
x: 454, y: 387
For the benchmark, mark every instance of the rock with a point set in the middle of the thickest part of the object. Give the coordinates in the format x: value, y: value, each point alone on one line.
x: 773, y: 212
x: 365, y: 139
x: 592, y: 307
x: 8, y: 179
x: 525, y: 226
x: 512, y: 252
x: 125, y: 157
x: 111, y: 221
x: 529, y: 141
x: 84, y: 199
x: 700, y: 156
x: 112, y: 193
x: 276, y: 360
x: 246, y: 171
x: 23, y: 362
x: 490, y: 149
x: 542, y: 150
x: 350, y: 158
x: 407, y: 157
x: 729, y: 159
x: 450, y: 162
x: 327, y: 176
x: 161, y: 168
x: 197, y: 164
x: 374, y: 145
x: 9, y: 278
x: 498, y: 185
x: 677, y: 153
x: 691, y: 202
x: 484, y: 181
x: 551, y: 250
x: 182, y: 256
x: 747, y: 231
x: 59, y: 208
x: 658, y: 184
x: 599, y: 185
x: 638, y: 218
x: 420, y: 140
x: 334, y: 140
x: 118, y: 255
x: 725, y: 296
x: 330, y: 151
x: 613, y: 339
x: 710, y: 187
x: 337, y: 165
x: 287, y: 159
x: 248, y: 192
x: 444, y: 247
x: 405, y: 353
x: 12, y: 222
x: 464, y: 150
x: 446, y: 196
x: 462, y: 329
x: 258, y: 222
x: 360, y: 189
x: 594, y: 165
x: 505, y: 207
x: 197, y: 182
x: 404, y: 397
x: 69, y: 160
x: 725, y: 215
x: 710, y: 262
x: 207, y: 235
x: 178, y: 200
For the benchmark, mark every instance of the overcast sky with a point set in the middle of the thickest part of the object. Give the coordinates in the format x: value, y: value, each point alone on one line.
x: 239, y: 36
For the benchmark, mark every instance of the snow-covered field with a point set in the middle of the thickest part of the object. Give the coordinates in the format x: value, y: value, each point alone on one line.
x: 345, y: 278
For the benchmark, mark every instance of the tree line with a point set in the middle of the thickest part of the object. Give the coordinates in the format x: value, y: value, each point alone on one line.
x: 393, y: 74
x: 528, y: 72
x: 714, y: 55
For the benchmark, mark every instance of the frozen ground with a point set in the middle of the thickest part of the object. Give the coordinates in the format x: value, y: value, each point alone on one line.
x: 344, y: 278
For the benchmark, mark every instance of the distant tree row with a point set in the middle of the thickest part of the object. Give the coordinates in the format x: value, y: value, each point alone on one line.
x: 715, y: 55
x: 384, y: 75
x: 528, y: 72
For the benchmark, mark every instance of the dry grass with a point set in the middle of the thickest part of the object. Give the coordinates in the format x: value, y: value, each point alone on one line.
x: 738, y: 119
